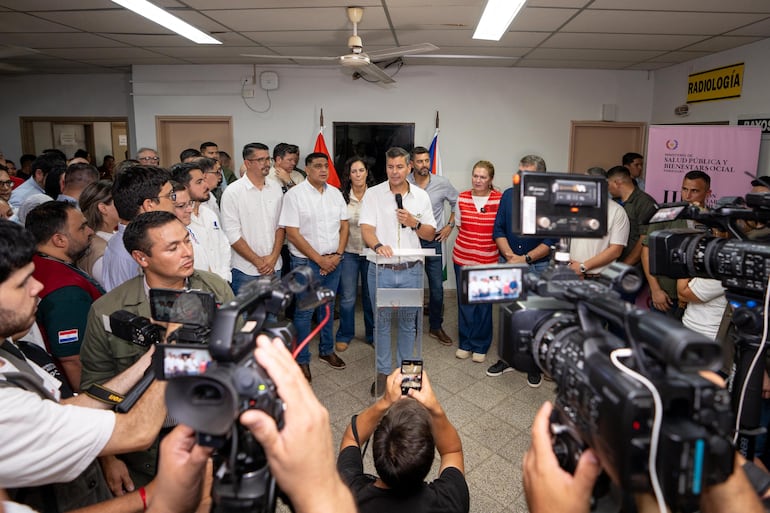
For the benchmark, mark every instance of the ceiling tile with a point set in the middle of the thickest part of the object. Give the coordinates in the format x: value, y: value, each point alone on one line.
x: 275, y: 4
x: 19, y: 22
x: 537, y: 63
x: 657, y: 22
x: 455, y: 16
x: 619, y: 41
x: 558, y: 3
x: 100, y: 53
x: 58, y: 40
x: 759, y: 29
x: 593, y: 55
x: 755, y: 6
x: 720, y: 43
x: 433, y: 61
x: 71, y: 5
x: 154, y: 40
x: 321, y: 18
x: 679, y: 56
x: 541, y: 19
x: 649, y: 66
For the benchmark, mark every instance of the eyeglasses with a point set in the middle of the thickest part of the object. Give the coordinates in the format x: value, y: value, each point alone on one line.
x: 7, y: 184
x: 171, y: 196
x: 261, y: 160
x: 150, y: 159
x: 182, y: 206
x: 213, y: 172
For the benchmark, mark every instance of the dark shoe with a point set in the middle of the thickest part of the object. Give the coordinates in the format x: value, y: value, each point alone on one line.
x: 441, y: 336
x: 499, y: 369
x: 306, y: 371
x: 378, y: 387
x: 534, y: 380
x: 334, y: 361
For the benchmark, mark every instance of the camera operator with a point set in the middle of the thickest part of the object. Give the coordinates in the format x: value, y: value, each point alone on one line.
x: 405, y: 429
x: 42, y: 440
x: 160, y: 245
x: 300, y: 455
x: 696, y: 188
x: 549, y: 488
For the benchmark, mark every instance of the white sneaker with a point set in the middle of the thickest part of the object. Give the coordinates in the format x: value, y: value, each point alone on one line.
x: 462, y: 354
x: 479, y: 357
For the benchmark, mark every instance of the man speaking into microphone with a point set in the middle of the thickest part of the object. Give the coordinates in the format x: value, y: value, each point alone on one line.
x: 395, y: 216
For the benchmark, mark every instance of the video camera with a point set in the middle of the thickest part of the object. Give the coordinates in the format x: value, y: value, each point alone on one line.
x: 626, y: 381
x: 210, y: 390
x: 742, y: 265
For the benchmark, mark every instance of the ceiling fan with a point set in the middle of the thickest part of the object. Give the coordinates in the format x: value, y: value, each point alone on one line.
x: 362, y: 63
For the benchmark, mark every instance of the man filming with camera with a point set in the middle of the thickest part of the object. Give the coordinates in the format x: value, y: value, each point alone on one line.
x: 160, y: 245
x: 405, y: 430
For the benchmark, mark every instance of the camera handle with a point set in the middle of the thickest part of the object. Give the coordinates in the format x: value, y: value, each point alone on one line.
x: 137, y: 391
x: 747, y: 320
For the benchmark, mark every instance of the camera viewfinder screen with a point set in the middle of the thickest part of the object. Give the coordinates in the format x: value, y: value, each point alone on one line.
x: 666, y: 214
x: 185, y: 361
x: 494, y: 284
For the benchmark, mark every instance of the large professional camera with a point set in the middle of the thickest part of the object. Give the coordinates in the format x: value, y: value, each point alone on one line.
x: 627, y: 382
x: 209, y: 387
x: 742, y: 264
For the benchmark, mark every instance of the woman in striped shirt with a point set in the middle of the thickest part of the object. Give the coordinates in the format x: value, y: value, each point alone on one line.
x: 475, y: 217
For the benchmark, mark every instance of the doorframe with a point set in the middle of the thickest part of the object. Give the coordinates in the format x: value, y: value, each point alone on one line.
x: 606, y: 124
x: 160, y: 120
x: 28, y: 135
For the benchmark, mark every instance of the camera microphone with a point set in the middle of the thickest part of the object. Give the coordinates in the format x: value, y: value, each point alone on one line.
x: 400, y: 204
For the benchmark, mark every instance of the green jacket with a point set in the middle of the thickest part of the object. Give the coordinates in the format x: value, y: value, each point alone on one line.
x: 103, y: 355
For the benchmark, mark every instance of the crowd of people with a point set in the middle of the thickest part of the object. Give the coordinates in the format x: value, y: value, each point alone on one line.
x: 91, y: 241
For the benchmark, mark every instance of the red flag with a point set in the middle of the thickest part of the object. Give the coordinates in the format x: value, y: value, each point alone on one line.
x: 320, y: 147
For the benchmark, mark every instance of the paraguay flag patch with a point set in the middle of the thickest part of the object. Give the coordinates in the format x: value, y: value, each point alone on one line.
x: 68, y: 336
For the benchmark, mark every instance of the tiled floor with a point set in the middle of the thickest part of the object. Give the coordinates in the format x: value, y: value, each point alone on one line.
x: 492, y: 415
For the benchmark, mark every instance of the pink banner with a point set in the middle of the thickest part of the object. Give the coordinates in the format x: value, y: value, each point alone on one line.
x: 724, y: 152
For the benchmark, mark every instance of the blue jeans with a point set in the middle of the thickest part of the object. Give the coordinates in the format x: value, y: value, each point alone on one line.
x: 407, y: 316
x: 535, y: 268
x: 352, y: 267
x: 435, y: 273
x: 240, y: 279
x: 302, y: 318
x: 474, y: 322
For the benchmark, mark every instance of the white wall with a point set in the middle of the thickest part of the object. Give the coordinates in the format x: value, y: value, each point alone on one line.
x: 670, y: 90
x: 57, y: 95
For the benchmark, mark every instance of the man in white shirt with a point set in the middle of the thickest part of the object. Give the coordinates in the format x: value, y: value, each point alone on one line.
x: 250, y: 210
x: 315, y: 217
x: 204, y: 223
x: 589, y: 257
x: 385, y: 227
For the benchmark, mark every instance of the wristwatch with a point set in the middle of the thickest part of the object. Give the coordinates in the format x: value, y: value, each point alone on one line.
x: 417, y: 226
x: 528, y: 259
x: 583, y: 268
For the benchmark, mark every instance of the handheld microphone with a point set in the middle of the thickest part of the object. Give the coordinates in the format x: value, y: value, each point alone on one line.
x: 400, y: 204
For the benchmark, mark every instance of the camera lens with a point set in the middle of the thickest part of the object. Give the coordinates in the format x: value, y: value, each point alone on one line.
x: 206, y: 393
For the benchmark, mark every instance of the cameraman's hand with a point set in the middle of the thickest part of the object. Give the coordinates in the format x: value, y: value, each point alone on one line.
x: 547, y: 486
x: 182, y: 469
x: 393, y: 387
x: 301, y: 456
x: 660, y: 300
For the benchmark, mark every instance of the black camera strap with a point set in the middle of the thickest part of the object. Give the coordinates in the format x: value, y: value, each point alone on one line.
x: 104, y: 395
x: 355, y: 435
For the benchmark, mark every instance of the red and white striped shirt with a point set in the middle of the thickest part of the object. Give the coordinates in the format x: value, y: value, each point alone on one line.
x: 474, y: 244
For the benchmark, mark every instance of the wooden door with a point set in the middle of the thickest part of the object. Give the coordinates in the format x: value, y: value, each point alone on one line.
x: 177, y: 133
x: 603, y: 143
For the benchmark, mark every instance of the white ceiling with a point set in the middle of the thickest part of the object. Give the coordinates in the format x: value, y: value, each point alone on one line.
x: 84, y: 36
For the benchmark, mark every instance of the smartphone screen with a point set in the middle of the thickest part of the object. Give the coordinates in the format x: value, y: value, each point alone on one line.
x: 411, y: 375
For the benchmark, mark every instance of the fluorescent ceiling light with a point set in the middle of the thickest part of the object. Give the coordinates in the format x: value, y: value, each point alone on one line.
x: 161, y: 17
x: 497, y: 17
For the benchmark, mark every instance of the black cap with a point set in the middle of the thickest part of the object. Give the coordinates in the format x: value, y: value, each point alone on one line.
x: 761, y: 181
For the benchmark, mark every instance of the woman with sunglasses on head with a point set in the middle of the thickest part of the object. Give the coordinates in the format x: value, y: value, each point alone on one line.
x: 475, y: 218
x: 102, y: 217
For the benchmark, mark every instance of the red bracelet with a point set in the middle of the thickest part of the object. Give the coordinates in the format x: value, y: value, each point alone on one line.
x: 143, y: 495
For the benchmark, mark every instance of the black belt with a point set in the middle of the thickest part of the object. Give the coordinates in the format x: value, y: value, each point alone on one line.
x: 400, y: 267
x: 592, y: 276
